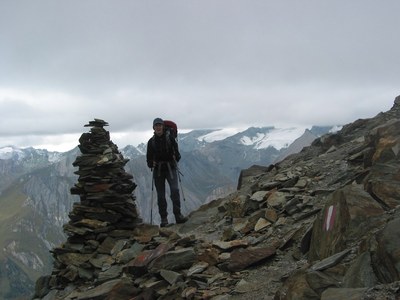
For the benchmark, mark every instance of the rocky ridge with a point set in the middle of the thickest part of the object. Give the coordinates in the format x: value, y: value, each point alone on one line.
x: 36, y: 200
x: 321, y: 224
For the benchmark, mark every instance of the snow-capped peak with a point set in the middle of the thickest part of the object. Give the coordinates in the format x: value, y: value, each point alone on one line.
x: 15, y: 153
x: 277, y: 137
x: 219, y: 134
x: 259, y: 138
x: 8, y: 152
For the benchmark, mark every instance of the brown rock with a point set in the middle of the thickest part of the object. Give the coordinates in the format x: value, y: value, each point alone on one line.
x: 387, y: 258
x: 209, y: 255
x: 145, y: 257
x: 343, y: 293
x: 271, y: 215
x: 240, y: 259
x: 261, y: 224
x: 348, y: 213
x: 297, y: 287
x: 230, y: 244
x: 174, y: 260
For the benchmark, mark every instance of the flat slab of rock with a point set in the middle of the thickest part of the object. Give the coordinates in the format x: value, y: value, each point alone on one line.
x: 240, y: 259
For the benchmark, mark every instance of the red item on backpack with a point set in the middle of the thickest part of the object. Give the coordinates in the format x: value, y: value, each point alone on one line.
x: 171, y: 127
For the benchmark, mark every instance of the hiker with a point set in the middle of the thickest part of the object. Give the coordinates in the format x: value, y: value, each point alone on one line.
x: 162, y: 157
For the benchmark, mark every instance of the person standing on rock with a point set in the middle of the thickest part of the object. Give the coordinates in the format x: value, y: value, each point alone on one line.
x: 162, y: 157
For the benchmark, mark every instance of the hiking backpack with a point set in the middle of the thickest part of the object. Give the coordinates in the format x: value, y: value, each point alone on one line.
x: 171, y: 128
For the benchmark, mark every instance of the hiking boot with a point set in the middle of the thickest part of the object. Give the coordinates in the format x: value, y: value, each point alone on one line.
x: 164, y: 222
x: 180, y: 219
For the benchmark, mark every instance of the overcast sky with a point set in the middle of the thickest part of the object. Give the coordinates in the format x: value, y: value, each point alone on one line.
x: 204, y: 64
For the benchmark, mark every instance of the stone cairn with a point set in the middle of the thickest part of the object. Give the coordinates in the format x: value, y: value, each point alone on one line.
x: 106, y: 211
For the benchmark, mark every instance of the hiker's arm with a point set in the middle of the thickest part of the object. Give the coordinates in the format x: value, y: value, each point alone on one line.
x: 150, y: 155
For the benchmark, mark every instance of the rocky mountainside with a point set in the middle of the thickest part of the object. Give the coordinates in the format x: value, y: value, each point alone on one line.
x: 35, y: 197
x: 320, y: 224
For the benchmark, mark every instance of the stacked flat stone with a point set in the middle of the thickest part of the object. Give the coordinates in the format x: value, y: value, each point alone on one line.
x: 106, y: 209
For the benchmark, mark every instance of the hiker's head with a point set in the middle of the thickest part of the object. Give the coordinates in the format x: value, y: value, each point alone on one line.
x: 158, y: 126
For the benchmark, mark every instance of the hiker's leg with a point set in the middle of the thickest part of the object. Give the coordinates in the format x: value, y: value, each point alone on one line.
x: 159, y: 182
x: 172, y: 178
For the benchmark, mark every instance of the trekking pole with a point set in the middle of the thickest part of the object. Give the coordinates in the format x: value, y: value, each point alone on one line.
x: 180, y: 182
x: 179, y: 178
x: 152, y: 196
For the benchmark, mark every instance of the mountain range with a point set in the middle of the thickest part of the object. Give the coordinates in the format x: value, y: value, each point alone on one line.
x: 36, y: 200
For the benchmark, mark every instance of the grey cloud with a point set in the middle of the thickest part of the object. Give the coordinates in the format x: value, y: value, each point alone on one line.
x: 204, y: 63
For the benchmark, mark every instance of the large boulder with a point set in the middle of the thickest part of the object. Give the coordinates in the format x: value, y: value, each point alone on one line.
x: 387, y: 256
x: 348, y: 214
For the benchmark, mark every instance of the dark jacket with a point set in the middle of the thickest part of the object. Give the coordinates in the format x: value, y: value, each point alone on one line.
x: 162, y: 149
